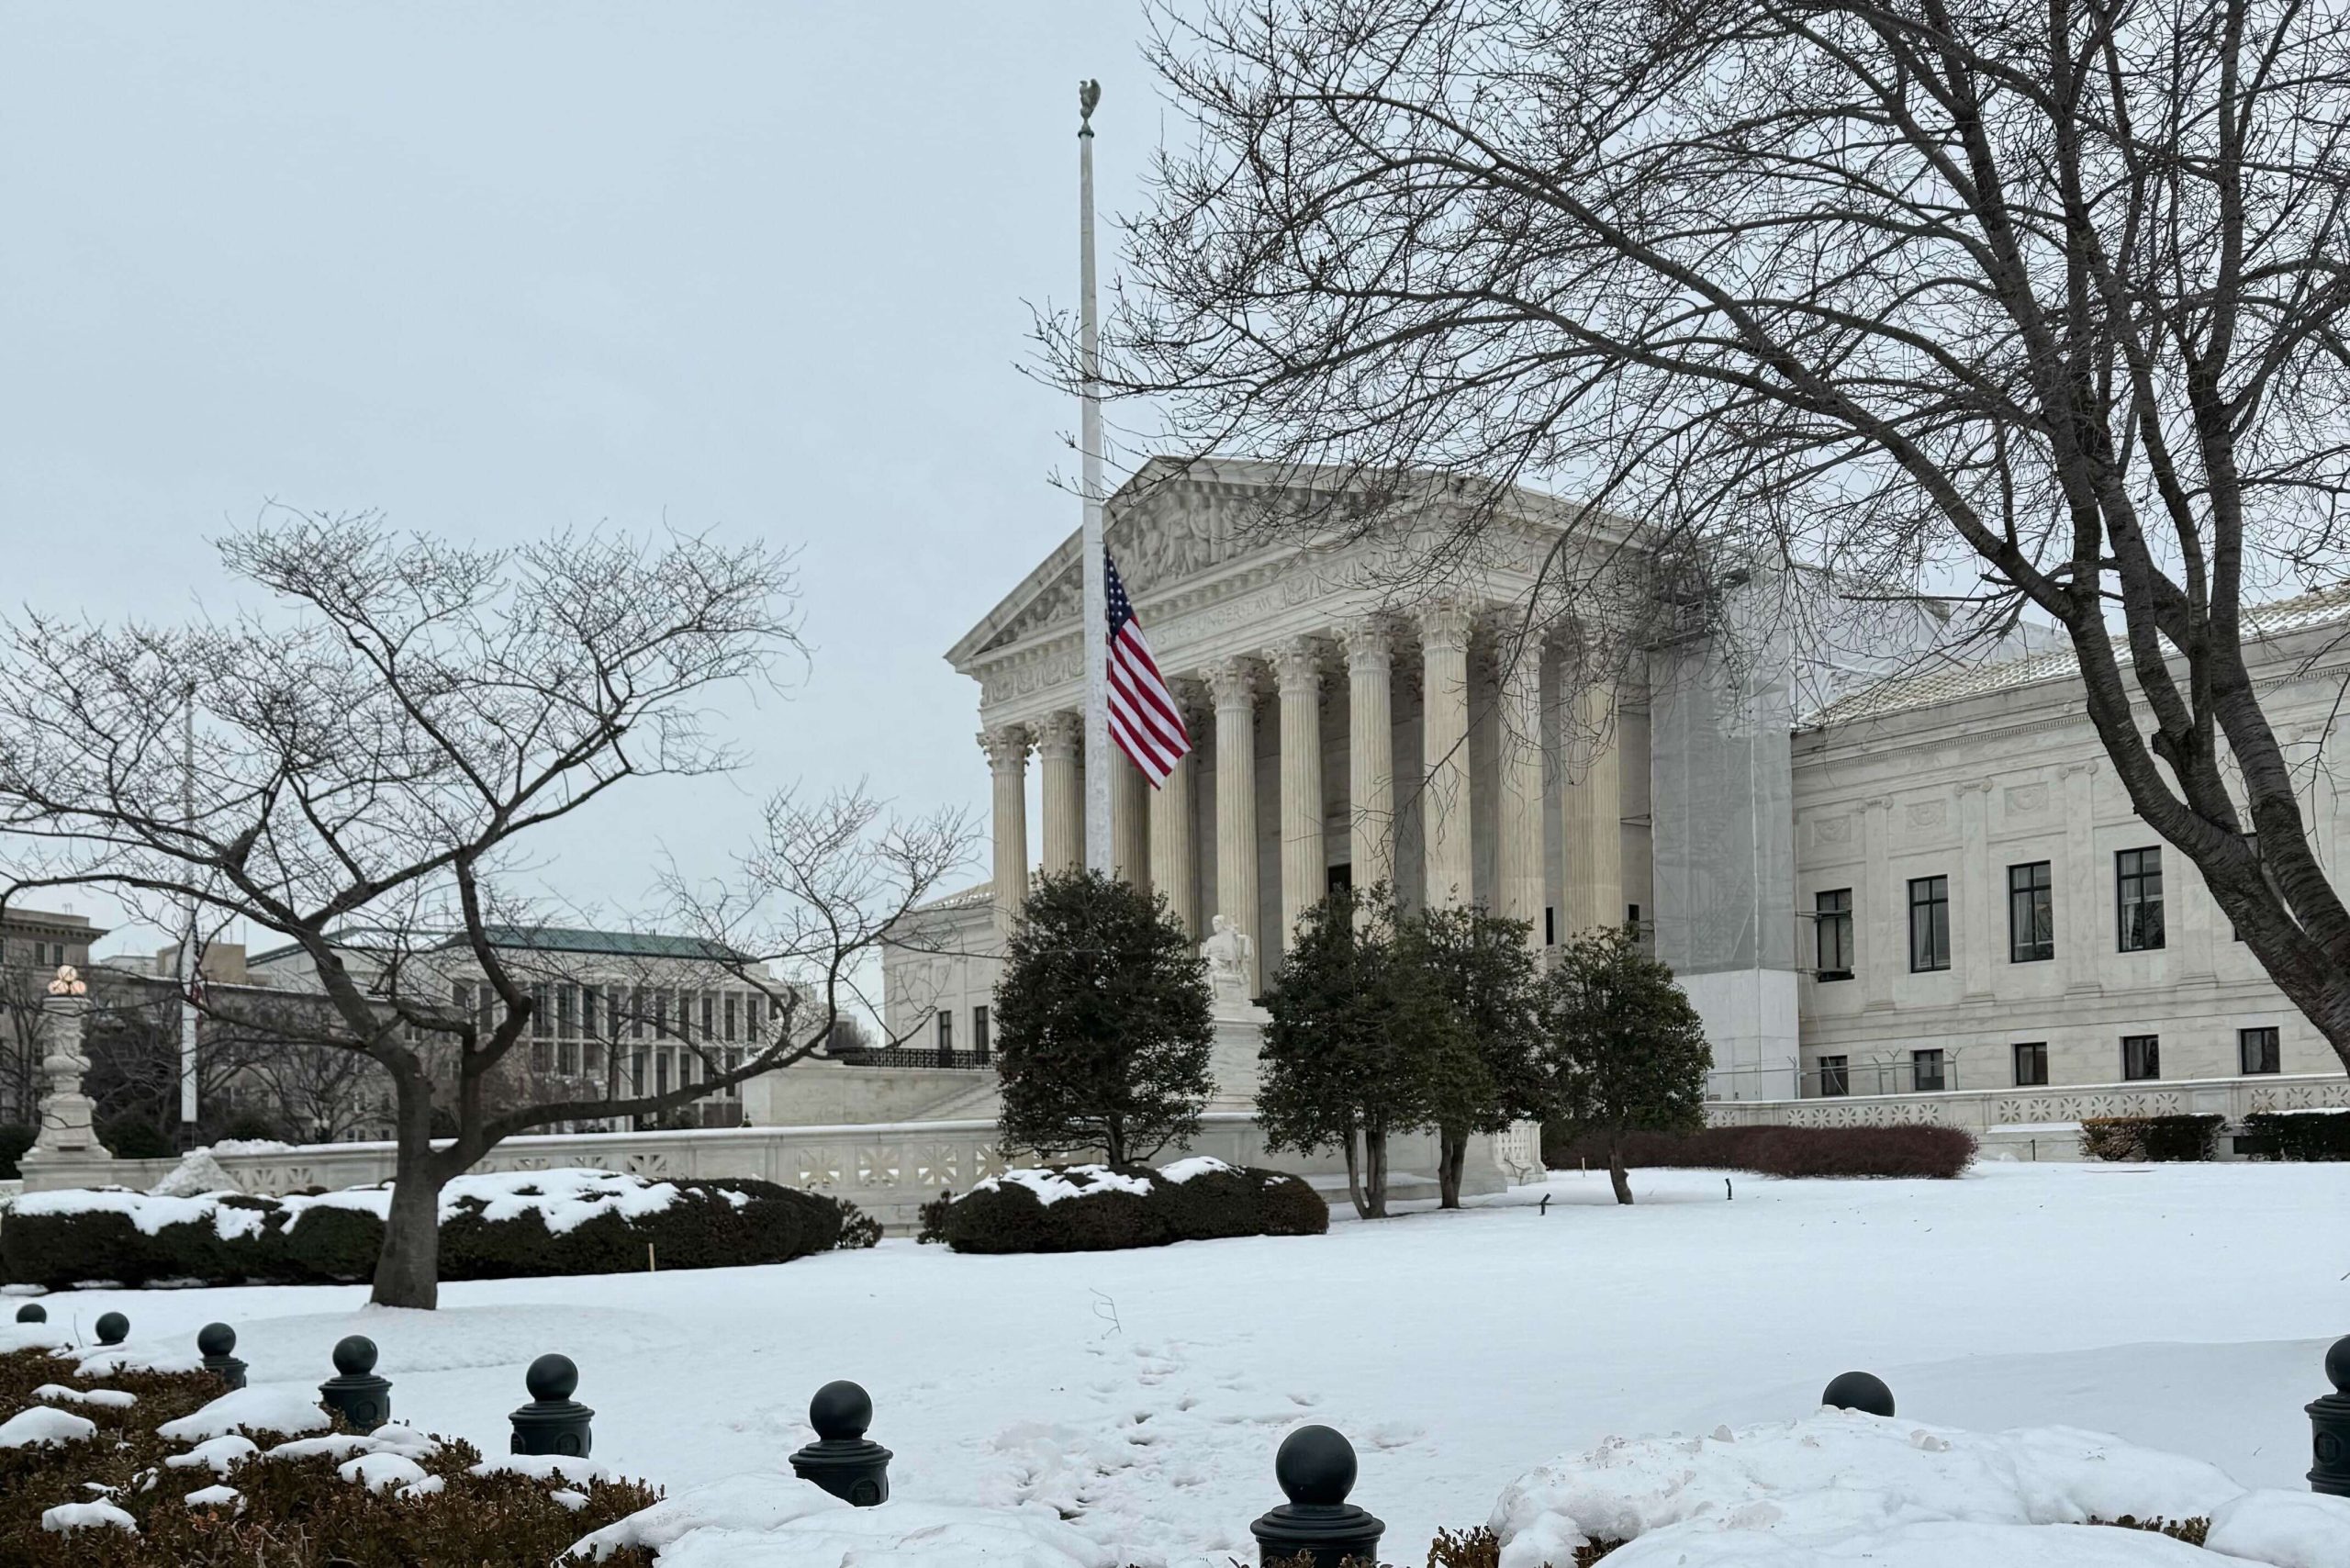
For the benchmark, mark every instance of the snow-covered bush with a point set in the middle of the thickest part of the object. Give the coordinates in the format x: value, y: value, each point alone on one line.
x: 1097, y: 1208
x: 150, y: 1484
x: 493, y: 1226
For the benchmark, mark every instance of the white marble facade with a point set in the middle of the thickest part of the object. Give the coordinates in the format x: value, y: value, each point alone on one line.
x: 1345, y: 723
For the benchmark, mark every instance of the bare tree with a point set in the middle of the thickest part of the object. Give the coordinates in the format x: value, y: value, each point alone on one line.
x: 375, y: 753
x: 2046, y: 295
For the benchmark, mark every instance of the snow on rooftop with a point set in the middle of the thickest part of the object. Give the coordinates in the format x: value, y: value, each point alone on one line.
x: 1958, y: 680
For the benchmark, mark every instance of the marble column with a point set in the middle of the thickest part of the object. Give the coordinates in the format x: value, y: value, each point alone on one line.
x: 1305, y: 863
x: 1444, y: 727
x: 1519, y: 862
x: 1060, y: 741
x: 1129, y: 819
x: 1370, y: 750
x: 1982, y: 888
x: 1591, y: 811
x: 1234, y: 684
x: 1007, y: 749
x: 1173, y: 867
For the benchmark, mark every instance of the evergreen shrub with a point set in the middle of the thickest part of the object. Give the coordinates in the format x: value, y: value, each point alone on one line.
x: 329, y: 1244
x: 2159, y: 1138
x: 2297, y: 1135
x: 1938, y: 1153
x: 15, y: 1138
x: 1004, y: 1215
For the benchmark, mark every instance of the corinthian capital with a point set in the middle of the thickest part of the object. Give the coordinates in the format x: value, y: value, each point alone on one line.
x: 1234, y: 681
x: 1445, y: 624
x: 1007, y: 747
x: 1370, y: 642
x: 1297, y: 664
x: 1062, y: 734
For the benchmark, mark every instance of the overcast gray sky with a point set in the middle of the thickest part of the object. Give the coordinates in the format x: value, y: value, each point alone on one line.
x: 497, y: 270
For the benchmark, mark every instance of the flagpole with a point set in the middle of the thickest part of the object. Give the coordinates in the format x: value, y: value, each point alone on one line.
x: 1099, y: 758
x: 188, y: 955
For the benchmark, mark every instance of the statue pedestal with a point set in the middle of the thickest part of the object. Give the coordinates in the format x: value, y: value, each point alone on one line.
x: 65, y: 1152
x: 1232, y: 1060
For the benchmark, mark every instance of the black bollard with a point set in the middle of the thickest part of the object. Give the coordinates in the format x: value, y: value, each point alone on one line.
x: 2330, y: 1426
x: 1864, y: 1391
x: 32, y: 1312
x: 355, y: 1393
x: 1316, y: 1467
x: 553, y: 1422
x: 216, y: 1341
x: 113, y: 1328
x: 841, y: 1460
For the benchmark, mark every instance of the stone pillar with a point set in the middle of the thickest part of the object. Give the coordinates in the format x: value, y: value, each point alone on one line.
x: 1444, y: 726
x: 1234, y: 684
x: 1370, y: 750
x: 65, y: 1151
x: 1884, y: 947
x: 1007, y: 749
x: 1518, y: 864
x: 2086, y: 884
x: 1591, y: 811
x: 1305, y: 863
x: 1129, y: 819
x: 1060, y: 741
x: 1982, y: 890
x: 1173, y: 866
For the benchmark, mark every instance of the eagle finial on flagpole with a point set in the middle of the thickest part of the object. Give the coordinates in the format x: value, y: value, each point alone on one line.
x: 1089, y: 93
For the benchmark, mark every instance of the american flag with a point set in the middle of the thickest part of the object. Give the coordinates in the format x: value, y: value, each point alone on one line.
x: 1144, y: 720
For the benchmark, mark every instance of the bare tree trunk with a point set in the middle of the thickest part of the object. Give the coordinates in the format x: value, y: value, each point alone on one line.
x: 1616, y: 1177
x: 407, y: 1273
x: 1451, y: 1156
x: 1354, y: 1178
x: 1374, y: 1139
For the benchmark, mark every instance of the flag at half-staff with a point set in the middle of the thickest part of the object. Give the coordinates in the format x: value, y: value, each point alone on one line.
x: 1145, y: 723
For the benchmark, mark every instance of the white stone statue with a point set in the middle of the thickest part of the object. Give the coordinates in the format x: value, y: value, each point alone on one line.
x: 1232, y: 963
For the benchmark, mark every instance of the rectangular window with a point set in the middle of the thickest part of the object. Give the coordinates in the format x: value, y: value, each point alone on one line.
x: 734, y: 1064
x: 541, y: 1025
x: 591, y: 1005
x: 1928, y: 924
x: 566, y: 1009
x: 636, y: 1072
x: 750, y: 1020
x: 661, y: 1014
x: 946, y: 1031
x: 732, y: 1009
x: 2142, y: 1057
x: 567, y: 1058
x: 2031, y: 913
x: 2138, y: 899
x: 2032, y: 1064
x: 1835, y: 1075
x: 539, y: 1056
x: 2259, y: 1050
x: 980, y: 1033
x: 661, y: 1072
x: 708, y: 1016
x: 1929, y: 1071
x: 1832, y: 924
x: 1550, y: 926
x: 636, y: 1013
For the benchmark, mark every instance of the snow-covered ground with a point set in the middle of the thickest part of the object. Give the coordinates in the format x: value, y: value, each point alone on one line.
x: 2185, y: 1309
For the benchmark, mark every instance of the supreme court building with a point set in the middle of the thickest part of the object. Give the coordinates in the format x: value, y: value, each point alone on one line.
x: 1873, y: 875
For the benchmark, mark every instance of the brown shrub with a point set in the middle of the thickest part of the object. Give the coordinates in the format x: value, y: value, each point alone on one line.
x: 1937, y: 1152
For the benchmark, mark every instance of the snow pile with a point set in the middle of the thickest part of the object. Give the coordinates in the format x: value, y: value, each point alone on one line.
x: 766, y: 1521
x: 196, y: 1174
x: 253, y: 1409
x: 221, y: 1453
x: 2292, y: 1530
x: 1051, y: 1185
x: 67, y: 1518
x: 36, y: 1426
x: 1183, y: 1170
x: 150, y: 1212
x: 249, y: 1146
x: 213, y: 1496
x: 110, y: 1398
x: 1847, y: 1487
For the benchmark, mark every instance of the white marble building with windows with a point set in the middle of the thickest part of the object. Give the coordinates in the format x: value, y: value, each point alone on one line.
x: 1873, y: 883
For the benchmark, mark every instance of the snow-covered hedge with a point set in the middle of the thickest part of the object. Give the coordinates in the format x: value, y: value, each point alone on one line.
x: 1094, y: 1208
x: 2297, y: 1135
x: 1842, y: 1487
x: 492, y: 1226
x: 149, y: 1469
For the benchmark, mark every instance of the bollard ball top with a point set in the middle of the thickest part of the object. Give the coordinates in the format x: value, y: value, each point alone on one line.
x: 841, y: 1411
x: 113, y: 1328
x: 355, y: 1355
x: 2337, y: 1365
x: 1864, y: 1391
x: 1316, y: 1467
x: 552, y: 1378
x: 32, y: 1312
x: 215, y: 1339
